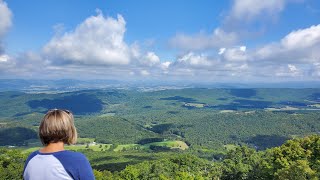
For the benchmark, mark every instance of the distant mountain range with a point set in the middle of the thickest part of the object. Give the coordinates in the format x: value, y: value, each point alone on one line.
x: 73, y: 85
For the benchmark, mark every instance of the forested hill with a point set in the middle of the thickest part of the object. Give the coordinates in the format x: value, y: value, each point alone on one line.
x: 203, y: 118
x: 193, y: 133
x: 297, y: 159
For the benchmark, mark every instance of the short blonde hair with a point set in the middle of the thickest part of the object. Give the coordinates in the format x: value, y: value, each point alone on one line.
x: 56, y: 126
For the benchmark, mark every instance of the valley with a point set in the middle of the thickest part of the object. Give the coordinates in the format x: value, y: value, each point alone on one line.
x: 121, y: 127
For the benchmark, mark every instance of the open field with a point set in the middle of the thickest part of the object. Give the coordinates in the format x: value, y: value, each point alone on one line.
x: 121, y: 147
x: 130, y: 119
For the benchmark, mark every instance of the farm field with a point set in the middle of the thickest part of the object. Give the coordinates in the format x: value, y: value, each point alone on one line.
x: 119, y: 128
x: 164, y: 145
x: 200, y: 117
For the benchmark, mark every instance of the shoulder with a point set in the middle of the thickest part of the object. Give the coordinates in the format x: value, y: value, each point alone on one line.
x: 76, y: 164
x: 33, y: 154
x: 70, y: 156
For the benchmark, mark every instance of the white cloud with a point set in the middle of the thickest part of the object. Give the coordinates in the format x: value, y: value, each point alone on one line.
x: 150, y: 59
x: 302, y: 38
x: 96, y: 41
x: 5, y: 23
x: 4, y: 58
x: 289, y: 71
x: 6, y: 62
x: 235, y: 54
x: 233, y: 69
x: 247, y: 10
x: 165, y: 65
x: 301, y: 46
x: 292, y: 68
x: 221, y: 51
x: 96, y: 49
x: 243, y: 48
x: 194, y: 60
x: 315, y: 70
x: 218, y: 38
x: 5, y: 18
x: 144, y: 73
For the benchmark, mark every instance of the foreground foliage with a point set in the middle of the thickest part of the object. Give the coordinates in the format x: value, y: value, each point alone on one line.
x: 11, y: 164
x: 296, y: 159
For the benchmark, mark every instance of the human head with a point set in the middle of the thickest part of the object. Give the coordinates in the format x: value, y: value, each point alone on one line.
x: 58, y: 126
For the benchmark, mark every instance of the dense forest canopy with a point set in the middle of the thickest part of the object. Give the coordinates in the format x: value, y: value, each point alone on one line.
x: 194, y: 133
x: 208, y: 118
x: 297, y: 159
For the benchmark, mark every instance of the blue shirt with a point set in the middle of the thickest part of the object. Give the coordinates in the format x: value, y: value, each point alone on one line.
x: 58, y: 165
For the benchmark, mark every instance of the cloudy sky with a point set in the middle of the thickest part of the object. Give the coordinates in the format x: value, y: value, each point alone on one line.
x: 167, y: 40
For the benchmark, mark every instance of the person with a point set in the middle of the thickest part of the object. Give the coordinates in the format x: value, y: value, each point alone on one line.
x: 53, y: 161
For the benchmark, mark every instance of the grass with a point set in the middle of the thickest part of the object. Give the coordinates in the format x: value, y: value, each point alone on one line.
x: 96, y: 147
x: 119, y: 148
x: 171, y: 144
x: 315, y: 105
x: 287, y: 108
x: 107, y: 114
x: 85, y: 140
x: 116, y: 161
x: 197, y: 105
x: 124, y: 147
x: 230, y: 147
x: 93, y: 147
x: 227, y: 111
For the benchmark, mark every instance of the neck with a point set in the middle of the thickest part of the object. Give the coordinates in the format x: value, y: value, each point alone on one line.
x: 53, y: 147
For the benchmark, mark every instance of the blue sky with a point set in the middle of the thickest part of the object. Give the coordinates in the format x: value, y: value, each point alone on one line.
x: 209, y: 41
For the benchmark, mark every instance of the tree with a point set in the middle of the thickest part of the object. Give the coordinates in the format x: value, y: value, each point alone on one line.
x: 11, y: 164
x: 240, y: 163
x: 297, y: 170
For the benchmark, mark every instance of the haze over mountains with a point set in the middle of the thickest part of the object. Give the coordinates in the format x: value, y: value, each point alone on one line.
x: 73, y: 85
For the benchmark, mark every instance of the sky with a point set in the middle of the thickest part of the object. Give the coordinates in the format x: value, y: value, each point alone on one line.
x: 168, y: 40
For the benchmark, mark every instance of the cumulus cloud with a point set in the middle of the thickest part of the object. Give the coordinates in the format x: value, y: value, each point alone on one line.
x: 315, y: 71
x: 165, y: 65
x: 4, y: 58
x: 248, y: 10
x: 144, y: 73
x: 96, y: 49
x: 235, y: 26
x: 201, y: 41
x: 150, y: 59
x: 234, y: 54
x: 287, y: 71
x: 301, y: 46
x: 292, y: 68
x: 221, y: 51
x: 194, y: 60
x: 98, y: 40
x: 302, y: 38
x: 296, y: 55
x: 5, y: 23
x: 5, y: 18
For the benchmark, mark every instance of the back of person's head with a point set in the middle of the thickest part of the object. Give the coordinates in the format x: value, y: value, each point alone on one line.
x: 58, y: 126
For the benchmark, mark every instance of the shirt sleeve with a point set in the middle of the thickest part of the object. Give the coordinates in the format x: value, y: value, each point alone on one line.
x: 85, y: 170
x: 76, y: 164
x: 28, y: 159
